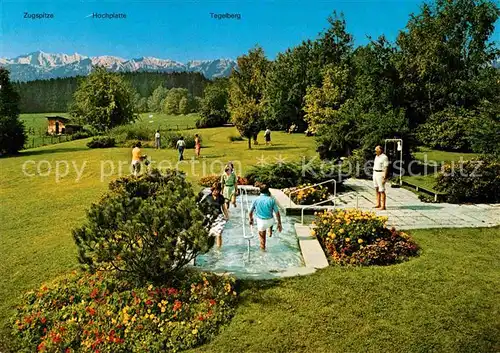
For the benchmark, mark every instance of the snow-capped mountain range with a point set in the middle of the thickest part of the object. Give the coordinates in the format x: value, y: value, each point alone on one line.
x: 40, y: 65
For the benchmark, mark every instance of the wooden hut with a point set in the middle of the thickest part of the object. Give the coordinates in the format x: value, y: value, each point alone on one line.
x: 60, y: 125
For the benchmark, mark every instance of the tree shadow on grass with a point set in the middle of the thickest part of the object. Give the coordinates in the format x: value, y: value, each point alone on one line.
x: 276, y: 148
x: 49, y: 151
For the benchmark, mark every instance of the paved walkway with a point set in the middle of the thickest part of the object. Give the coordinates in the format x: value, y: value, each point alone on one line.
x: 406, y: 211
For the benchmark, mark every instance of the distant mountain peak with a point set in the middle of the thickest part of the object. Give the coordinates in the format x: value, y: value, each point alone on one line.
x: 41, y: 65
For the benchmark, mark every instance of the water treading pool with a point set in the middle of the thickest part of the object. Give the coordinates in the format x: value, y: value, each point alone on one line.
x: 282, y: 249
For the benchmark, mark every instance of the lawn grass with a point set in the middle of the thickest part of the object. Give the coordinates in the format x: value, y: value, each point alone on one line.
x: 434, y: 160
x: 37, y: 213
x: 427, y: 154
x: 427, y: 182
x: 446, y: 300
x: 161, y: 121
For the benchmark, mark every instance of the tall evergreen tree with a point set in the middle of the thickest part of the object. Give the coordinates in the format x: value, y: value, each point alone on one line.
x: 12, y: 135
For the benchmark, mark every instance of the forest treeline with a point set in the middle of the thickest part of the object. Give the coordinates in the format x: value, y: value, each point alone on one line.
x: 55, y: 95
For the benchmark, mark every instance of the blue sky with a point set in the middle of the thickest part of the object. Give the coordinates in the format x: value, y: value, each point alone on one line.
x: 184, y: 30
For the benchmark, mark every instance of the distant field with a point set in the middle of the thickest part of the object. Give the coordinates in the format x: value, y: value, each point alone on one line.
x: 434, y: 157
x: 161, y: 121
x: 427, y: 154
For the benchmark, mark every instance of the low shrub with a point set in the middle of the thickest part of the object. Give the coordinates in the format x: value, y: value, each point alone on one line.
x: 211, y: 121
x: 134, y: 132
x: 100, y: 313
x: 209, y: 180
x: 355, y: 237
x: 146, y: 228
x: 291, y: 174
x: 81, y: 135
x: 170, y: 140
x: 307, y: 196
x: 243, y: 181
x: 144, y: 144
x: 101, y: 142
x: 234, y: 138
x: 476, y: 180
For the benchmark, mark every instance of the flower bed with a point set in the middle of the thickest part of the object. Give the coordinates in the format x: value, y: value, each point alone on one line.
x: 98, y: 313
x: 210, y: 180
x: 361, y: 238
x: 307, y: 196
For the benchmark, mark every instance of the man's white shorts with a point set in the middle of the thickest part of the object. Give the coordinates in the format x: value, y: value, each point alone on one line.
x: 378, y: 181
x: 264, y: 224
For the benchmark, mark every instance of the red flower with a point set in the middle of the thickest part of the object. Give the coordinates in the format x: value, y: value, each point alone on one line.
x: 94, y: 293
x: 212, y: 302
x: 41, y: 347
x: 149, y: 302
x: 56, y: 338
x: 172, y: 291
x: 177, y: 305
x: 43, y: 320
x: 90, y: 310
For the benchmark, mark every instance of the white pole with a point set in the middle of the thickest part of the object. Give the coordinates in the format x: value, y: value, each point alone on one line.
x: 401, y: 165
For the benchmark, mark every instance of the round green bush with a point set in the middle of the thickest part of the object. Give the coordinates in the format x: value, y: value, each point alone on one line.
x: 146, y: 228
x: 476, y: 180
x: 88, y: 313
x: 101, y: 142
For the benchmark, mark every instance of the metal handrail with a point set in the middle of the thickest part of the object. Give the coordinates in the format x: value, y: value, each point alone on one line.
x: 327, y: 207
x: 243, y: 219
x: 317, y: 184
x: 315, y: 205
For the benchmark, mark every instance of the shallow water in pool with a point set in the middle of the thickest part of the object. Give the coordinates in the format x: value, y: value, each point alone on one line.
x: 282, y: 249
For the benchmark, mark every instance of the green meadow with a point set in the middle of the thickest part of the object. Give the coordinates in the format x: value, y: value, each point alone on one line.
x: 442, y: 301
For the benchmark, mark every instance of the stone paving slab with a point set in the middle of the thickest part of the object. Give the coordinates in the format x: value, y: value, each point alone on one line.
x: 312, y: 253
x: 404, y: 209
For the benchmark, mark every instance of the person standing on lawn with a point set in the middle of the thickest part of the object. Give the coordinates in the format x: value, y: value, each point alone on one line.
x: 181, y: 145
x: 267, y: 136
x: 197, y: 145
x: 380, y: 171
x: 157, y: 139
x: 137, y: 158
x: 264, y: 207
x: 229, y: 182
x: 220, y: 212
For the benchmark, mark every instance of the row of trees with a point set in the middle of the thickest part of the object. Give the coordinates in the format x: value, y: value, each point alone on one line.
x: 171, y: 101
x: 55, y: 95
x: 434, y: 85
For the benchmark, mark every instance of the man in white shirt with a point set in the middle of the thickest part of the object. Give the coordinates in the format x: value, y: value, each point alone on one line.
x: 380, y: 169
x: 180, y: 147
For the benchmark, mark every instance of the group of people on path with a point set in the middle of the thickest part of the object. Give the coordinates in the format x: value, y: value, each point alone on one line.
x: 223, y: 194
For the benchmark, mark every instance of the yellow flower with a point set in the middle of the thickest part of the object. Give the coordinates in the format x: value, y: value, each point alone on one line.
x: 195, y: 331
x: 347, y: 239
x: 150, y: 287
x: 341, y: 230
x: 313, y: 232
x: 360, y: 241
